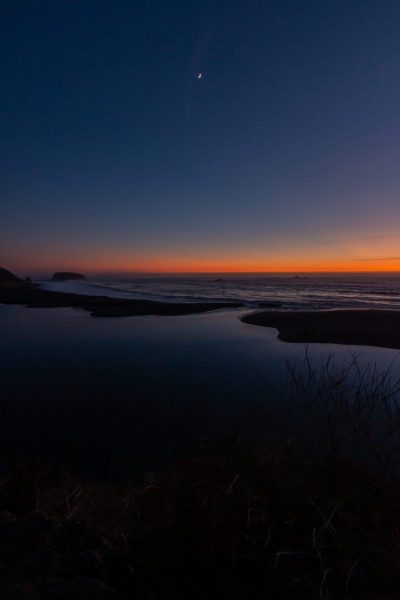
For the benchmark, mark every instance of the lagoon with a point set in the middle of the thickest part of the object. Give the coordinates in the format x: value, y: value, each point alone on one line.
x: 104, y: 393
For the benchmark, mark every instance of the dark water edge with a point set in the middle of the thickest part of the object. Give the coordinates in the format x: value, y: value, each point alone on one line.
x: 111, y: 397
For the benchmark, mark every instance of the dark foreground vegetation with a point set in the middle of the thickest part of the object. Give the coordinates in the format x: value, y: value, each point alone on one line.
x: 309, y: 511
x: 17, y: 291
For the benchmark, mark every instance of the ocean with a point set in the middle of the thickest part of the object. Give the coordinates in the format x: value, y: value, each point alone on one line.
x: 283, y: 292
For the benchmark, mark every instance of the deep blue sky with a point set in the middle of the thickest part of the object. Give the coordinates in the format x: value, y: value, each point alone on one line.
x: 115, y: 156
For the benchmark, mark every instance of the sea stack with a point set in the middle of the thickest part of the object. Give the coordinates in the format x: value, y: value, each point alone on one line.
x: 67, y: 276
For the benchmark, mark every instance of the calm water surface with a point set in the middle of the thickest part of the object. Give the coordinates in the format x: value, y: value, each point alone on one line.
x: 100, y: 392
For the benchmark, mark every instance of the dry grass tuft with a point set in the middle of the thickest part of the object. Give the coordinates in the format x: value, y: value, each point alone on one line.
x: 309, y: 516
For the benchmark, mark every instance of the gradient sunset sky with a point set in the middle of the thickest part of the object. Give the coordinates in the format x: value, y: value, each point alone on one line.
x: 283, y: 156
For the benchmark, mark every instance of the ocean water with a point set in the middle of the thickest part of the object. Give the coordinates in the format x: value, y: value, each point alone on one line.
x: 283, y: 292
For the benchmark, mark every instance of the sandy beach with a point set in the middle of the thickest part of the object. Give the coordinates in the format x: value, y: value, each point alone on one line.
x: 350, y: 327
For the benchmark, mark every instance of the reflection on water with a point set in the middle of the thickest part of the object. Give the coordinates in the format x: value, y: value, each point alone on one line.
x: 97, y: 392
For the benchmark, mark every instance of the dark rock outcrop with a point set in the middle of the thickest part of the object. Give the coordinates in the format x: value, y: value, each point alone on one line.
x: 67, y: 276
x: 8, y: 277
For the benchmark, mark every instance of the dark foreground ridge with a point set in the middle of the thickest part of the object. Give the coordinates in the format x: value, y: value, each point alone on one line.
x: 350, y: 327
x: 8, y: 277
x: 16, y: 291
x: 250, y: 523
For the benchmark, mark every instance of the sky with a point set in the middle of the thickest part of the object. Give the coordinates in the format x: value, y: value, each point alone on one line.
x: 283, y: 156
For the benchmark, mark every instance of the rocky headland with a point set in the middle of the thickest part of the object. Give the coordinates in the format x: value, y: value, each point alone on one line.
x: 8, y: 277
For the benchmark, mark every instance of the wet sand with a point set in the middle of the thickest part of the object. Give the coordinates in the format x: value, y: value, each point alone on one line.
x: 349, y: 327
x: 31, y: 295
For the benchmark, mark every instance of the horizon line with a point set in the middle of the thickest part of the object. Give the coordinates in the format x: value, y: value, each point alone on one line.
x: 215, y: 273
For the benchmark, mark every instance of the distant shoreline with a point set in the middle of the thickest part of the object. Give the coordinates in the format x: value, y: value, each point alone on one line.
x: 358, y: 327
x: 355, y: 327
x: 33, y: 296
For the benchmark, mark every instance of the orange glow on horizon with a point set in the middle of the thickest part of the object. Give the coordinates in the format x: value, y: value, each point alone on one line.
x: 368, y: 251
x: 177, y: 266
x: 190, y: 267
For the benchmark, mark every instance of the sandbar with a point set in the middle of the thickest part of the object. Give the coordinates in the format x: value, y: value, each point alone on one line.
x: 349, y: 327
